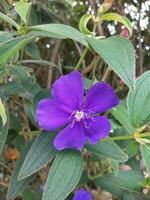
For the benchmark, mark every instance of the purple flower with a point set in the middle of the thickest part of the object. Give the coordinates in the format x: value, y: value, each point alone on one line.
x: 81, y: 194
x: 69, y: 108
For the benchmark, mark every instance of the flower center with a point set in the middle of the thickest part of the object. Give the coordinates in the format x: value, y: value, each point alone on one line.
x: 79, y: 115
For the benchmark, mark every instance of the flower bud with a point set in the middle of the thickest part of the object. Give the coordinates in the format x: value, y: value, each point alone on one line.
x: 125, y: 33
x: 105, y: 7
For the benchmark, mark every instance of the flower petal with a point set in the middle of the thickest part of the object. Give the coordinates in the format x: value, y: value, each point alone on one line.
x: 81, y: 194
x: 100, y: 98
x: 97, y: 128
x: 51, y: 114
x: 71, y: 137
x: 69, y: 90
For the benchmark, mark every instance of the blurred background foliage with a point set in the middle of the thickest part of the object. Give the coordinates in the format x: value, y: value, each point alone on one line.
x: 48, y: 58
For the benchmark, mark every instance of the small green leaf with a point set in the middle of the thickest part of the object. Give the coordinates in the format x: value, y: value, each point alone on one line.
x: 40, y: 154
x: 83, y: 24
x: 145, y: 151
x: 61, y: 29
x: 125, y: 181
x: 119, y: 54
x: 119, y: 18
x: 2, y: 112
x: 138, y: 101
x: 115, y: 166
x: 15, y: 186
x: 8, y: 20
x: 121, y: 114
x: 9, y: 48
x: 23, y: 10
x: 108, y: 149
x: 3, y: 134
x: 64, y: 175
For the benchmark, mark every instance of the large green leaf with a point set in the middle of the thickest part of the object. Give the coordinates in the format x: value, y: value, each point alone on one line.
x: 64, y: 175
x: 15, y: 186
x: 138, y: 101
x: 123, y: 182
x: 42, y: 148
x: 9, y: 48
x: 108, y: 149
x: 145, y: 151
x: 119, y: 54
x: 121, y: 114
x: 62, y: 30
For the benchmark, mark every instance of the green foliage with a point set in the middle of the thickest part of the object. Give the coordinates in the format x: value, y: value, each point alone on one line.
x: 138, y: 101
x: 39, y: 41
x: 64, y: 175
x: 124, y: 182
x: 108, y: 150
x: 122, y: 50
x: 23, y: 10
x: 43, y: 146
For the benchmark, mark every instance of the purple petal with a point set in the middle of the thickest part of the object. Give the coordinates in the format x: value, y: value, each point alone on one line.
x: 101, y: 98
x: 51, y: 114
x: 72, y: 137
x: 69, y: 90
x: 81, y: 194
x: 97, y: 128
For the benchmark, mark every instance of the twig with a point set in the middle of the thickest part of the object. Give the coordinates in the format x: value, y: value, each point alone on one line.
x: 53, y: 60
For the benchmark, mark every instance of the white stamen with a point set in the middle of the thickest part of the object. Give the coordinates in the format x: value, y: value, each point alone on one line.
x: 79, y: 115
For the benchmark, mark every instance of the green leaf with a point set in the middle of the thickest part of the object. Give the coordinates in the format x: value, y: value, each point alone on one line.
x: 125, y: 181
x: 64, y: 175
x: 83, y: 24
x: 9, y: 48
x: 121, y: 114
x: 22, y: 83
x: 145, y: 151
x: 108, y: 149
x: 40, y: 154
x: 119, y: 54
x: 3, y: 134
x: 70, y: 2
x: 15, y: 186
x: 138, y: 101
x: 2, y: 112
x: 134, y: 197
x: 115, y: 166
x: 28, y: 194
x: 5, y: 36
x: 61, y: 29
x: 23, y: 10
x: 8, y: 20
x: 119, y: 18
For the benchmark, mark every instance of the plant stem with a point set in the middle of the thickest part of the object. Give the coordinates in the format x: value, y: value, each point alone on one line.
x: 128, y: 137
x: 106, y: 74
x: 94, y: 68
x: 81, y: 58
